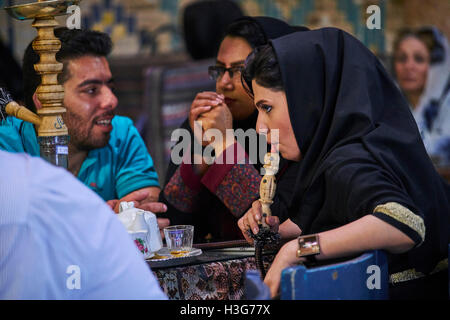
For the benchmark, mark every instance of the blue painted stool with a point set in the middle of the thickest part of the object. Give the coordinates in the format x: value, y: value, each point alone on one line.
x: 362, y: 278
x: 254, y: 288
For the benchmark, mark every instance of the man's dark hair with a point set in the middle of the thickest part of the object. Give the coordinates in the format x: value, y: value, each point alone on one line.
x: 75, y: 43
x: 262, y: 66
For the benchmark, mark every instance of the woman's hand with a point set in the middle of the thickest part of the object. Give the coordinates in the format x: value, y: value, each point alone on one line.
x: 215, y: 125
x: 203, y: 102
x: 286, y: 257
x: 162, y: 223
x: 356, y: 237
x: 251, y: 219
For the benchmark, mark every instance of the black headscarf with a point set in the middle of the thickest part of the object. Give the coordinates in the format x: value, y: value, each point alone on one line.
x: 270, y: 28
x: 360, y: 145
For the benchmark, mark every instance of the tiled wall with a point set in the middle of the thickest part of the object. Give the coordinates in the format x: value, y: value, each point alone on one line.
x: 154, y: 26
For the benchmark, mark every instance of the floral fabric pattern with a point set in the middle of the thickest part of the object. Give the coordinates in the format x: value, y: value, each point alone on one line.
x: 222, y: 280
x: 179, y: 194
x: 239, y: 188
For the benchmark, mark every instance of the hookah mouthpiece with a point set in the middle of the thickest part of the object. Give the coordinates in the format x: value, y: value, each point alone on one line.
x: 265, y: 236
x: 5, y: 98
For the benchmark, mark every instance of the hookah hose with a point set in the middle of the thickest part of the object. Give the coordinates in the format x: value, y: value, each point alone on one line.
x: 265, y: 237
x: 259, y: 259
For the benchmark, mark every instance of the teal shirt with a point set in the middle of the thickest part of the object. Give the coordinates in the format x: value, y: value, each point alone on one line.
x: 122, y: 166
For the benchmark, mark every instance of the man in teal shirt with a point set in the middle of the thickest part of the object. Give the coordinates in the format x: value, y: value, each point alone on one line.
x: 106, y: 151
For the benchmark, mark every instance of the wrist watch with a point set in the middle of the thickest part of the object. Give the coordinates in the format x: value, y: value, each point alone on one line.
x: 308, y: 247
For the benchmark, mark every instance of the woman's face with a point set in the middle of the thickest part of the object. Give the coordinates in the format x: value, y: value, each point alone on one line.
x: 412, y: 61
x: 232, y: 53
x: 273, y: 114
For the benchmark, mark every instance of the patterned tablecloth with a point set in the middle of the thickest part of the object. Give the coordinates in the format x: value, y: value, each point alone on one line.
x: 221, y: 280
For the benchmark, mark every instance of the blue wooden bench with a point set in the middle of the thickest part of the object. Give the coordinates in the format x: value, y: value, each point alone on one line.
x: 254, y: 288
x: 362, y: 278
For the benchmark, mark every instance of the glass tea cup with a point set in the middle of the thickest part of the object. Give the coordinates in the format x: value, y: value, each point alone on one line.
x: 179, y: 238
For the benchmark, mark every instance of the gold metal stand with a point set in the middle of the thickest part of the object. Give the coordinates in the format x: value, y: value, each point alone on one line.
x: 49, y: 122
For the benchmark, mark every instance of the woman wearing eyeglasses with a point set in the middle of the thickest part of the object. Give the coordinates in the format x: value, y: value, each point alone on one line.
x: 214, y: 195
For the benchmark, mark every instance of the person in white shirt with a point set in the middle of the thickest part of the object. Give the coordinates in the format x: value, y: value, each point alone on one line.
x: 60, y: 240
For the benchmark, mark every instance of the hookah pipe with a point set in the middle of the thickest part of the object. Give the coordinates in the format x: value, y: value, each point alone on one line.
x: 9, y: 107
x: 52, y: 136
x: 52, y: 133
x: 267, y: 189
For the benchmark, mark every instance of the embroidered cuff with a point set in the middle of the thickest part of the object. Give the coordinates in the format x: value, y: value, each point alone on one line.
x: 179, y: 194
x: 403, y: 219
x: 412, y: 274
x: 239, y: 188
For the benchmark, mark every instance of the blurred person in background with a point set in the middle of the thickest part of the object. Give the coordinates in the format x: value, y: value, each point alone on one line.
x: 204, y: 23
x: 10, y: 73
x: 422, y: 70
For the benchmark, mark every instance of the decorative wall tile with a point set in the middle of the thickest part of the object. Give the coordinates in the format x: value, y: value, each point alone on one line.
x: 155, y: 26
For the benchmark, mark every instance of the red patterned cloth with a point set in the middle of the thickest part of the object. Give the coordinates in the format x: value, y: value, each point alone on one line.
x: 214, y: 202
x: 236, y: 184
x: 222, y: 280
x: 183, y: 189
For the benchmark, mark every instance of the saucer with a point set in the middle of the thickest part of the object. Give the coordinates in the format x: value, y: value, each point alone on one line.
x: 165, y: 258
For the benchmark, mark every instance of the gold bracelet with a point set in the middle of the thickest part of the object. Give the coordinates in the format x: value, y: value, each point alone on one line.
x: 308, y: 246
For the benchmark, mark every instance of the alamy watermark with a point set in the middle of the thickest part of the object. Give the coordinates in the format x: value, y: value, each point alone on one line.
x: 374, y: 20
x: 74, y: 280
x: 74, y: 19
x: 374, y: 280
x: 257, y: 145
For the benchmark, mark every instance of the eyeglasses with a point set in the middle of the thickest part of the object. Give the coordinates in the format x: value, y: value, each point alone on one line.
x: 217, y: 72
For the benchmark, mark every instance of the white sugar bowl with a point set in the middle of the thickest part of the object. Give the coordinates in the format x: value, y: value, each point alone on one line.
x: 142, y: 226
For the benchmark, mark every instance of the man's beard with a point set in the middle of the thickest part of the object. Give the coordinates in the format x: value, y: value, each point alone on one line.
x: 81, y: 136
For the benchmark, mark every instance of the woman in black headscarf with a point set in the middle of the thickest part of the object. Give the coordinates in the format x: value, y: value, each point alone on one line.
x: 364, y: 179
x: 213, y: 196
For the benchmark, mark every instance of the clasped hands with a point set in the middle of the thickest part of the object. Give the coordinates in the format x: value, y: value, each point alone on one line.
x: 210, y: 109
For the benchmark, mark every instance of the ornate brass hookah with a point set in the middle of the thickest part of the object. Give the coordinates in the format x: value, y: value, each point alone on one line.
x: 52, y: 133
x: 265, y: 237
